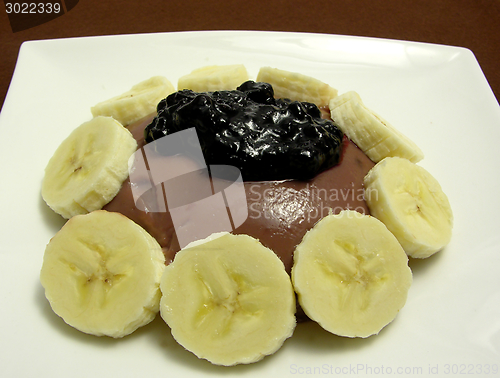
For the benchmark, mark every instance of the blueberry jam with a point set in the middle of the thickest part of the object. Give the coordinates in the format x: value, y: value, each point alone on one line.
x: 266, y: 138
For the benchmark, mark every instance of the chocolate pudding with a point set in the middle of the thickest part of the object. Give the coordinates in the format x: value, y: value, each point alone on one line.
x: 279, y: 212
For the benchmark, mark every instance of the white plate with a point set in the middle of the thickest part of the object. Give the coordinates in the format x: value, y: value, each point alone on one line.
x: 437, y: 95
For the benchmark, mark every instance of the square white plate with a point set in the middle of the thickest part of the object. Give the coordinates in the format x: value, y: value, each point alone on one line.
x: 436, y: 95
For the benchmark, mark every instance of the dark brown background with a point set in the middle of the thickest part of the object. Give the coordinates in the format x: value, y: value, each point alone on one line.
x: 473, y: 24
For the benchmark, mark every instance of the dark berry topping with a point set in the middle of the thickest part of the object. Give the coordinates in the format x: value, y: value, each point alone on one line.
x: 266, y: 138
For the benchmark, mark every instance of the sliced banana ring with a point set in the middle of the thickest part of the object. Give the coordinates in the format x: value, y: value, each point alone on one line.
x: 214, y: 78
x: 297, y: 86
x: 101, y: 273
x: 351, y: 274
x: 228, y: 300
x: 374, y: 135
x: 411, y: 203
x: 138, y: 102
x: 88, y: 168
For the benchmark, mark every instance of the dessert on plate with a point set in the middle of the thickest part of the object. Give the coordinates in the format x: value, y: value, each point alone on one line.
x: 333, y: 192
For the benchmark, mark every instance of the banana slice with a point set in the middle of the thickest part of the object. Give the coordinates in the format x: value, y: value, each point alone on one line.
x: 101, y: 273
x: 296, y: 86
x: 214, y: 78
x: 141, y: 100
x: 376, y: 137
x: 411, y: 203
x: 228, y: 300
x: 351, y: 274
x: 88, y: 168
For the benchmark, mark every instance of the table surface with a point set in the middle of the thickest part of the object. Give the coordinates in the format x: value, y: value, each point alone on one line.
x: 473, y: 24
